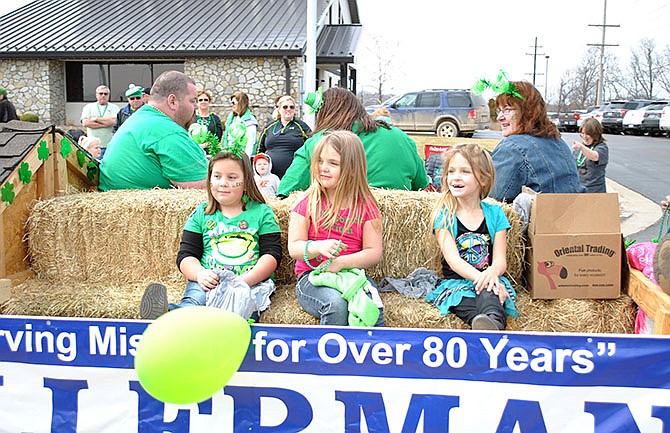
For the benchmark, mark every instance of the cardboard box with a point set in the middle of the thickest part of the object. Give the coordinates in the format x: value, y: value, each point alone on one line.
x: 575, y: 246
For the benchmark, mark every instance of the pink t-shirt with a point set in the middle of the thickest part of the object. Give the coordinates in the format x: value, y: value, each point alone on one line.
x: 353, y: 238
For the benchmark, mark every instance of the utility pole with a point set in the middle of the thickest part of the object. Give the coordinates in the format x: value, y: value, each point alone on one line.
x: 602, y: 45
x: 546, y: 77
x: 535, y: 54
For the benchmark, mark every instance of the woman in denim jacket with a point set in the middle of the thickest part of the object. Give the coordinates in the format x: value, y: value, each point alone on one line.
x: 531, y: 152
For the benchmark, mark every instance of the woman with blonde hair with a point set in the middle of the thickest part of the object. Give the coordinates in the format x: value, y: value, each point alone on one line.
x: 283, y: 136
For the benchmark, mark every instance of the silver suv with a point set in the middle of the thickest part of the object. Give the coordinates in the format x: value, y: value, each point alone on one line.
x: 446, y: 112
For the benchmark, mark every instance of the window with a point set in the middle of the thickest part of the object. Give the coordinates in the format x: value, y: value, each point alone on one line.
x: 429, y: 100
x: 83, y: 78
x: 458, y: 100
x: 406, y: 101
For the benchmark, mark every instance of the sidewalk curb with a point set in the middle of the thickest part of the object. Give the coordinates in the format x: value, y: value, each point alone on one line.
x: 637, y: 212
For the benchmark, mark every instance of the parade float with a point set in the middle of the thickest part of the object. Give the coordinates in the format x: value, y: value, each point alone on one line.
x: 75, y: 263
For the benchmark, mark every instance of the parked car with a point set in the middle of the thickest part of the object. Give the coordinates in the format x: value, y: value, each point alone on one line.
x: 446, y: 112
x: 651, y: 124
x: 633, y: 118
x: 586, y: 114
x: 553, y: 117
x: 612, y: 119
x: 568, y: 121
x: 664, y: 121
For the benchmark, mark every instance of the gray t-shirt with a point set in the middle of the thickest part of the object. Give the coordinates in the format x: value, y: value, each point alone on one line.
x: 592, y: 173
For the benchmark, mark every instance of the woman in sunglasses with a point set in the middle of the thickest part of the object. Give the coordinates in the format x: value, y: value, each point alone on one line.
x: 282, y: 137
x: 202, y: 115
x: 244, y: 121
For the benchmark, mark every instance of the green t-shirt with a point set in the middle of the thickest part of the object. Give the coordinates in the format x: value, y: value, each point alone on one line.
x: 232, y: 243
x: 393, y: 162
x: 149, y: 150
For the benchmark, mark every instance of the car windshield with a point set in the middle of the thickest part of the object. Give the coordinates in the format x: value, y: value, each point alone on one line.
x: 655, y: 107
x: 390, y: 101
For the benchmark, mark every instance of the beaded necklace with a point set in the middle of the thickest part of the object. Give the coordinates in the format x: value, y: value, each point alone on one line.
x: 274, y: 130
x: 322, y: 266
x: 204, y: 121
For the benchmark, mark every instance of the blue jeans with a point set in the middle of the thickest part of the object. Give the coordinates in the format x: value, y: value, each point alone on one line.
x: 326, y: 303
x: 194, y: 295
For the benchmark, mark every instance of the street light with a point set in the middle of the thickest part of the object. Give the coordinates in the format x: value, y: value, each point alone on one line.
x: 546, y: 70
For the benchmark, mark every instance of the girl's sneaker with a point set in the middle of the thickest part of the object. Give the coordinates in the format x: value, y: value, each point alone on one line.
x: 154, y: 302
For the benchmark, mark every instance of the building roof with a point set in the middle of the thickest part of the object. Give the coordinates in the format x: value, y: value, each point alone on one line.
x: 16, y: 140
x: 123, y: 29
x: 337, y: 43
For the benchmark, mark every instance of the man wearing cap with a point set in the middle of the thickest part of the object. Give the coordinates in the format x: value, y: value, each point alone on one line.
x: 152, y: 148
x: 146, y: 92
x: 134, y: 95
x: 7, y: 110
x: 99, y: 117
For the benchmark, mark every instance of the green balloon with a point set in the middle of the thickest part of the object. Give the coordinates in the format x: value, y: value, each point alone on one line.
x: 187, y: 355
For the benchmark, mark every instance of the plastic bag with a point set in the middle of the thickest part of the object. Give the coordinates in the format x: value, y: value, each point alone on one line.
x: 231, y: 294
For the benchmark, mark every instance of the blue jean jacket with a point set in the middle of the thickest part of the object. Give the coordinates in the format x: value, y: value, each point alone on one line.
x: 542, y: 163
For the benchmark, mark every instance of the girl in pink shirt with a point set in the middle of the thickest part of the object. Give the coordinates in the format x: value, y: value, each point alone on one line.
x: 336, y: 226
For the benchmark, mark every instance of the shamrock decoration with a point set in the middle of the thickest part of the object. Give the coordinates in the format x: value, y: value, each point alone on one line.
x: 24, y: 173
x: 65, y: 147
x: 238, y: 138
x: 81, y: 158
x: 501, y: 85
x: 201, y: 135
x: 43, y: 151
x: 91, y: 170
x: 7, y: 193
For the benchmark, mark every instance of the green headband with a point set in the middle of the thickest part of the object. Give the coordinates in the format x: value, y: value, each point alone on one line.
x: 501, y: 85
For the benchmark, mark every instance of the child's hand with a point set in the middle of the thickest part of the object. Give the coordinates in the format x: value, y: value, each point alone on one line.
x: 207, y: 279
x: 486, y: 281
x: 502, y: 293
x: 665, y: 203
x: 576, y: 145
x: 331, y: 248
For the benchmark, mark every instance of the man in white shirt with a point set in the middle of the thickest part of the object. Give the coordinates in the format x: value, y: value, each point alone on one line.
x: 99, y: 117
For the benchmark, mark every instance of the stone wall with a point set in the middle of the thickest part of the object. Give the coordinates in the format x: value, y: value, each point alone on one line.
x: 262, y: 79
x: 36, y: 86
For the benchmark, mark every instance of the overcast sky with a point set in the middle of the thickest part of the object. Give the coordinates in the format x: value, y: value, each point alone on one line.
x: 452, y: 43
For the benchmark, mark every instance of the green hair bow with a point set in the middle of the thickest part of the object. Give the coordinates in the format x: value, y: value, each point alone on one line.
x: 501, y: 85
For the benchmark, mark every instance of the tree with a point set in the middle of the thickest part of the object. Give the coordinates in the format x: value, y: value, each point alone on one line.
x: 382, y: 52
x: 643, y: 70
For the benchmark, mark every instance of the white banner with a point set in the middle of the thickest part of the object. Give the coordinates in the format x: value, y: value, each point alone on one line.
x: 70, y: 375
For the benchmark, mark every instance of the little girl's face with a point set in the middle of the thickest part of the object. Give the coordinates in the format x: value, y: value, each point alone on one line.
x: 227, y: 182
x: 461, y: 178
x: 329, y: 168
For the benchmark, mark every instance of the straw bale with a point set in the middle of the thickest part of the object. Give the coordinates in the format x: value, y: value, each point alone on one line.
x: 122, y: 236
x: 121, y: 301
x: 561, y: 315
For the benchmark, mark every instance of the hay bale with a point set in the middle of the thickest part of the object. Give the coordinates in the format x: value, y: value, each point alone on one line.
x: 123, y: 236
x: 561, y: 315
x: 121, y: 301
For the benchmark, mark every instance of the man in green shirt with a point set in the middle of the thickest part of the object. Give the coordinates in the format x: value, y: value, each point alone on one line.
x: 152, y: 148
